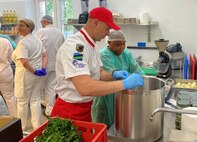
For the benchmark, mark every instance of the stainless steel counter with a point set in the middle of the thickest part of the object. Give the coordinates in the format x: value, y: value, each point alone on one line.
x: 169, y: 124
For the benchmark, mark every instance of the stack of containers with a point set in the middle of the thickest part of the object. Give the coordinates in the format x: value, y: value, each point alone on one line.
x: 190, y: 67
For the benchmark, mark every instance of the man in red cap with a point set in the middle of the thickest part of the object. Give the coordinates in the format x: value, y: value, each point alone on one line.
x: 79, y: 71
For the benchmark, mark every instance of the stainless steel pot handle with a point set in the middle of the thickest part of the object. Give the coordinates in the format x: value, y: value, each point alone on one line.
x: 169, y: 83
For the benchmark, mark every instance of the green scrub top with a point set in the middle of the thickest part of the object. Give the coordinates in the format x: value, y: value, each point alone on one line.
x: 103, y: 106
x: 13, y: 43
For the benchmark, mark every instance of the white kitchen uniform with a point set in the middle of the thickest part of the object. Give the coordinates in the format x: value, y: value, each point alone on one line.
x: 67, y: 66
x: 6, y: 76
x: 52, y: 39
x: 28, y: 85
x: 77, y: 56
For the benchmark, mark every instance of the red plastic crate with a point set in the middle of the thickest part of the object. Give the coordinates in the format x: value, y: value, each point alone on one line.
x: 91, y: 132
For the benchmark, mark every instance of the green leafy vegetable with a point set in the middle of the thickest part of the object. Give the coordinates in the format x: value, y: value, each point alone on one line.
x: 60, y: 130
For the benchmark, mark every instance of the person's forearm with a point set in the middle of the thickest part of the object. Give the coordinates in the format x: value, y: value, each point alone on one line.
x: 44, y: 60
x: 101, y: 88
x: 27, y: 66
x: 89, y: 87
x: 105, y: 76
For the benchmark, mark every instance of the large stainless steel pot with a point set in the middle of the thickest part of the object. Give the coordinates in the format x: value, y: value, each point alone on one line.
x: 133, y: 109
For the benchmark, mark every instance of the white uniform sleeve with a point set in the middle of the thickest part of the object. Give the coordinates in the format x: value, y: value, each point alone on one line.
x: 10, y: 50
x: 74, y: 63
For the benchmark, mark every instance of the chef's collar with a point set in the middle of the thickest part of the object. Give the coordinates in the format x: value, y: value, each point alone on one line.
x: 87, y: 37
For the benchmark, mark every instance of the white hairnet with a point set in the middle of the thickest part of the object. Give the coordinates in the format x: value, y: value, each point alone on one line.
x: 29, y: 23
x: 48, y: 18
x: 116, y: 36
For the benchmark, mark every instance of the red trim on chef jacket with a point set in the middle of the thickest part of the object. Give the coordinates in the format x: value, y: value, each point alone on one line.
x: 76, y: 111
x: 86, y: 37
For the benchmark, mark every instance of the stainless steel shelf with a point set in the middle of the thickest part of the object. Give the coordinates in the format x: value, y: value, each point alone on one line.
x: 78, y: 26
x: 130, y: 24
x: 137, y: 47
x: 74, y: 23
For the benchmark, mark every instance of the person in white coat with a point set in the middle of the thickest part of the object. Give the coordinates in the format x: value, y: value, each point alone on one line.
x: 6, y: 76
x: 30, y: 58
x: 52, y: 39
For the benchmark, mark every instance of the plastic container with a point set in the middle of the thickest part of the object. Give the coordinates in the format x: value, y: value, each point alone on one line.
x: 150, y: 71
x: 177, y: 60
x: 91, y: 132
x: 141, y: 44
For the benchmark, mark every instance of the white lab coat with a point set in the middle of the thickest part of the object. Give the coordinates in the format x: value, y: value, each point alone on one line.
x: 52, y: 39
x: 6, y: 75
x: 28, y: 85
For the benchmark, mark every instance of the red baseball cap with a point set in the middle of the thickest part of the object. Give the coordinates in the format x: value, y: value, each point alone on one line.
x: 105, y: 16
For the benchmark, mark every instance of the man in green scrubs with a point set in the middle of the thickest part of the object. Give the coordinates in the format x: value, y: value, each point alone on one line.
x: 114, y: 57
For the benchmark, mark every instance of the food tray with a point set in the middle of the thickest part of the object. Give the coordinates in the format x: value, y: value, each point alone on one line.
x: 185, y: 81
x: 177, y: 89
x: 91, y: 132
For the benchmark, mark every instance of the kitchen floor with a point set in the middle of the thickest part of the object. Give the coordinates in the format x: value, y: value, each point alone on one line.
x: 29, y: 127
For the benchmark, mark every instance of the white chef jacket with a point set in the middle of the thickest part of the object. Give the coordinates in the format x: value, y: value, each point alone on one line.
x: 72, y: 61
x: 5, y: 60
x: 52, y: 39
x: 34, y: 55
x: 24, y: 50
x: 6, y: 76
x: 27, y: 85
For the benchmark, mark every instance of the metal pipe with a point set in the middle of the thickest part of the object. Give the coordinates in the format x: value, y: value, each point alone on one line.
x: 172, y: 111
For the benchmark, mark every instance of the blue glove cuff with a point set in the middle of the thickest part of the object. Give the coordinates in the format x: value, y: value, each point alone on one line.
x: 125, y: 86
x: 113, y: 74
x: 35, y: 72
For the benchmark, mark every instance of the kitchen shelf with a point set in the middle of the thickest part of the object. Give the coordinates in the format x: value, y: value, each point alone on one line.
x: 79, y: 26
x: 76, y: 25
x: 150, y: 24
x: 8, y: 24
x: 137, y: 47
x: 9, y: 29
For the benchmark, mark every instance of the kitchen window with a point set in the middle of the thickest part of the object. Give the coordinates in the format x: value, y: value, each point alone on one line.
x: 60, y: 10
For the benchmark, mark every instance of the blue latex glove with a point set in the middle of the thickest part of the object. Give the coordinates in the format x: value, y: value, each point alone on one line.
x: 44, y: 71
x: 41, y: 72
x: 132, y: 81
x: 120, y: 74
